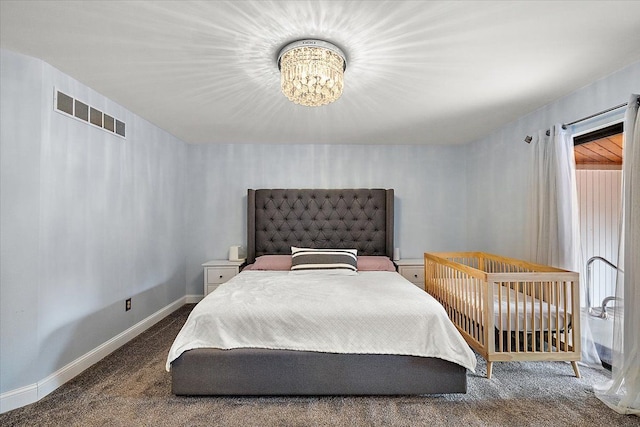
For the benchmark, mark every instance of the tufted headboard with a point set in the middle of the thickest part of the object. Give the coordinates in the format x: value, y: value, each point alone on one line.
x: 359, y: 218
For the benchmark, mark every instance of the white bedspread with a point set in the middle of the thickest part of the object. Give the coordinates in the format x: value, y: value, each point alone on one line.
x: 373, y: 312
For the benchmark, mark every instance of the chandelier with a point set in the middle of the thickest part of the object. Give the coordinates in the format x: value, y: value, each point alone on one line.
x: 311, y: 72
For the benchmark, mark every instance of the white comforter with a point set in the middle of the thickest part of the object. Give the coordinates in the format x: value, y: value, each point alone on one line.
x: 373, y: 312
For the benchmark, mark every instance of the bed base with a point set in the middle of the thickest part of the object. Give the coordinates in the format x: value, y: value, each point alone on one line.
x: 465, y: 283
x: 257, y: 372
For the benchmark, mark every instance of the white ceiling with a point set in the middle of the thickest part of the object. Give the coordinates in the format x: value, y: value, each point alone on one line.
x: 419, y: 72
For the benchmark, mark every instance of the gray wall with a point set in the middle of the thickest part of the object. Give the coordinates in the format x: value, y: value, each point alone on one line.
x: 88, y: 220
x: 20, y: 140
x: 469, y: 197
x: 429, y: 184
x: 498, y: 165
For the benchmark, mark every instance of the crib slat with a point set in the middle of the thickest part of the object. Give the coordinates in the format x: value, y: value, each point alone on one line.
x: 566, y: 337
x: 500, y: 314
x: 517, y: 320
x: 548, y: 294
x: 546, y: 321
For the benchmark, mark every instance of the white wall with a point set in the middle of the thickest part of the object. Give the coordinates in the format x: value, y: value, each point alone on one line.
x: 429, y: 184
x: 88, y: 220
x: 498, y: 165
x: 600, y: 204
x: 20, y: 136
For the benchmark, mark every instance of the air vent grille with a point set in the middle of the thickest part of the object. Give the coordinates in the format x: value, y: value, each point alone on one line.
x: 77, y: 109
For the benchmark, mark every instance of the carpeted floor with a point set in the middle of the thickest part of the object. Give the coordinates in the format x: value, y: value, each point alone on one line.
x: 130, y: 387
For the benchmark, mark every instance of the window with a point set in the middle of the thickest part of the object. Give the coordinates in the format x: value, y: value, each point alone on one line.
x: 599, y: 149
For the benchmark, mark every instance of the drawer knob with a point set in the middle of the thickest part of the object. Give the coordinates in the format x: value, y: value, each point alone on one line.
x: 415, y: 275
x: 221, y: 276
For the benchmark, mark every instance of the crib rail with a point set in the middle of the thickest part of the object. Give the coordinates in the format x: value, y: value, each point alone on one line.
x: 508, y: 309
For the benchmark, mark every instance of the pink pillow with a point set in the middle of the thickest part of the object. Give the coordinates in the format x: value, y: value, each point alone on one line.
x: 375, y: 263
x: 283, y: 263
x: 272, y: 262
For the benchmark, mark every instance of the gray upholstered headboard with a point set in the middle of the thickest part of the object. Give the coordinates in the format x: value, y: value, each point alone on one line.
x: 359, y: 218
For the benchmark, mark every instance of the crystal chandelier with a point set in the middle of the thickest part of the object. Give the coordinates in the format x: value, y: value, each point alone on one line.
x: 311, y: 72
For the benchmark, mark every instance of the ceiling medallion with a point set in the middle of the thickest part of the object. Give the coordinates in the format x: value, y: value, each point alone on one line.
x: 311, y: 72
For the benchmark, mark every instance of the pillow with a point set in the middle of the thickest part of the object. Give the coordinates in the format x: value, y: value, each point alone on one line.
x: 283, y: 263
x: 338, y: 261
x: 375, y: 263
x: 272, y: 262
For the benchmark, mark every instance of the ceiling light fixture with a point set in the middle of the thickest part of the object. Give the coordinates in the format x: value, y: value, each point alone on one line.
x: 311, y: 72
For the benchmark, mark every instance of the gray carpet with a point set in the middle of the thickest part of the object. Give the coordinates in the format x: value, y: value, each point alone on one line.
x: 131, y: 388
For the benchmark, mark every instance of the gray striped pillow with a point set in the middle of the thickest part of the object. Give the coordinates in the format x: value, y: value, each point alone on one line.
x: 340, y: 261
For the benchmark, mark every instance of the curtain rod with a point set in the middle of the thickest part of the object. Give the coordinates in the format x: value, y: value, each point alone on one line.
x: 528, y: 139
x: 564, y: 125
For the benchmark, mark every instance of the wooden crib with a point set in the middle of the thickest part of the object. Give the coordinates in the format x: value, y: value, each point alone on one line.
x: 507, y: 309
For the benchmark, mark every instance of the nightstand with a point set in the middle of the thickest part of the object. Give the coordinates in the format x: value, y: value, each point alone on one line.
x: 412, y: 270
x: 217, y: 272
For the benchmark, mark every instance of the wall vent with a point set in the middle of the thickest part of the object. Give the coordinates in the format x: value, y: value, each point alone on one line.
x: 77, y: 109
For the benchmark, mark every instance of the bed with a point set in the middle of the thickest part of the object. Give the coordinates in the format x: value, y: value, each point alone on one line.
x: 507, y: 309
x: 353, y: 348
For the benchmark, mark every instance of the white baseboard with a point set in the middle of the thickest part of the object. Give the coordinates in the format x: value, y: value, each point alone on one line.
x: 32, y: 393
x: 18, y: 398
x: 193, y: 299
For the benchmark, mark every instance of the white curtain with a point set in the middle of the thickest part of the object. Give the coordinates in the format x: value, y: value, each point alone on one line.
x: 554, y: 222
x: 622, y: 393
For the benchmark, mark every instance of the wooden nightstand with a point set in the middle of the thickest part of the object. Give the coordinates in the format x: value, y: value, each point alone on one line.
x: 412, y: 270
x: 217, y: 272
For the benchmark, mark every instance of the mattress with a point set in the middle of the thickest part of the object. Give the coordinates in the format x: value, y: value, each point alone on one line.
x: 372, y: 312
x: 513, y: 310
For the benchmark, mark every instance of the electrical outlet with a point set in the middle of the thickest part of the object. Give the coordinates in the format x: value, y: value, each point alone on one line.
x: 127, y: 304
